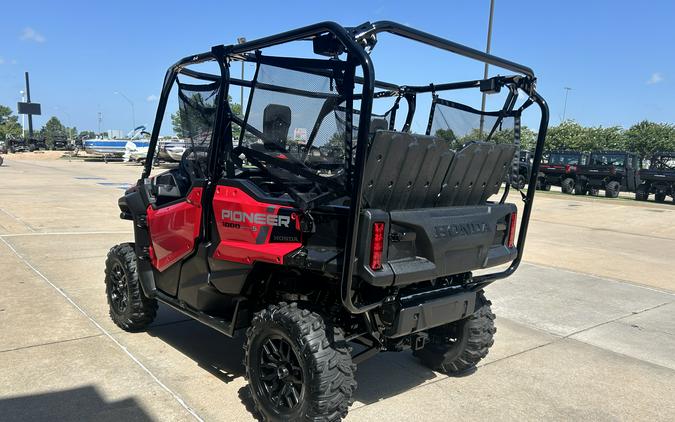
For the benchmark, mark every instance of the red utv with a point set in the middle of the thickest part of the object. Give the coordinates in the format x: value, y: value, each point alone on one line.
x: 315, y: 219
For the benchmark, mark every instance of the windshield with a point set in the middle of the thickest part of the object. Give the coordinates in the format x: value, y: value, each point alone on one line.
x: 602, y: 159
x: 663, y: 162
x: 557, y: 158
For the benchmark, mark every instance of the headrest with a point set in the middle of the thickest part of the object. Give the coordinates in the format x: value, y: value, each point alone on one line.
x: 276, y: 122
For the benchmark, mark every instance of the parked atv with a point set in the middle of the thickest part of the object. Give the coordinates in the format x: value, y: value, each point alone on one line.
x: 612, y: 171
x: 369, y: 241
x: 659, y: 179
x: 559, y: 169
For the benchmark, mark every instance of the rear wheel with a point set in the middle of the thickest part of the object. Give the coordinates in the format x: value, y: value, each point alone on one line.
x: 660, y: 197
x: 129, y: 308
x: 297, y: 368
x: 567, y: 185
x: 580, y: 189
x: 641, y: 193
x: 520, y: 182
x: 457, y: 347
x: 612, y: 189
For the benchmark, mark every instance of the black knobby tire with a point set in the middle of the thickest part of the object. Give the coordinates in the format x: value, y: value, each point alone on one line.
x: 459, y: 346
x: 130, y: 309
x: 612, y: 189
x: 1, y: 160
x: 642, y: 193
x: 580, y: 189
x: 316, y: 380
x: 520, y: 182
x: 660, y: 197
x: 567, y: 185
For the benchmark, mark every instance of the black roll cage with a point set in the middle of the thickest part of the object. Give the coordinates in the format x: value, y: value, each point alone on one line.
x: 356, y: 42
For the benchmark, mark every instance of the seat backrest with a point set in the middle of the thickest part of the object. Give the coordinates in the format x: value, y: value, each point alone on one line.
x: 407, y: 171
x: 276, y: 123
x: 476, y: 173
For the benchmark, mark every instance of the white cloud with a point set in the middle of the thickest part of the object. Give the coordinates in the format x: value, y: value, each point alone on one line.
x: 29, y: 34
x: 151, y: 98
x: 655, y: 78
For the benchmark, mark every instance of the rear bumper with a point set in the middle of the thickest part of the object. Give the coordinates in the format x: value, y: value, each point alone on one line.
x: 418, y: 314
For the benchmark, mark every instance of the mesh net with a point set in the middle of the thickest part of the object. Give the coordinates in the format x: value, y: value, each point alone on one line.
x: 197, y: 114
x: 461, y: 126
x: 301, y: 121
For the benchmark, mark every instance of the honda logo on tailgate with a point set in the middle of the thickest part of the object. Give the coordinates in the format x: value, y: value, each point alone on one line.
x: 464, y: 229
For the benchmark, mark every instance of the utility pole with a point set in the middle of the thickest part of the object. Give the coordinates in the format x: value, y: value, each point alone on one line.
x: 100, y: 119
x: 567, y: 91
x: 30, y: 116
x: 241, y: 40
x: 485, y: 73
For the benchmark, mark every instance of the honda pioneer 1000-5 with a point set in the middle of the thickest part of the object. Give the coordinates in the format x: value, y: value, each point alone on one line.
x: 316, y: 219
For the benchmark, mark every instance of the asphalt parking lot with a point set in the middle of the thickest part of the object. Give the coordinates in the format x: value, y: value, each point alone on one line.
x: 586, y: 327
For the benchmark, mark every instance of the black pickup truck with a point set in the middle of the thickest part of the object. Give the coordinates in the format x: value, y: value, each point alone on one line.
x: 611, y: 171
x: 658, y: 179
x: 559, y: 169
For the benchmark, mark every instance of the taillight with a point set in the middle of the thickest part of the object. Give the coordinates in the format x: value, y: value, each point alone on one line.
x: 377, y: 246
x: 570, y: 168
x: 512, y: 230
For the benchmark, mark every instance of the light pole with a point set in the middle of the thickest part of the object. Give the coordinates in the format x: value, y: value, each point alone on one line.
x: 133, y: 112
x: 567, y: 91
x: 485, y: 72
x: 241, y: 40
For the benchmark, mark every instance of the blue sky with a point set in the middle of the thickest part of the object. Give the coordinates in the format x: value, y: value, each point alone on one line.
x: 617, y: 56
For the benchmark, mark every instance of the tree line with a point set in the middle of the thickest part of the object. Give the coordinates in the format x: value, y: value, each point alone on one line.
x: 643, y: 138
x: 10, y: 128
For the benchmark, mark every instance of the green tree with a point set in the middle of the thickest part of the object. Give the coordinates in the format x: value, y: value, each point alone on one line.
x: 9, y: 124
x: 87, y: 134
x: 52, y: 130
x: 196, y: 119
x: 567, y: 135
x: 648, y: 137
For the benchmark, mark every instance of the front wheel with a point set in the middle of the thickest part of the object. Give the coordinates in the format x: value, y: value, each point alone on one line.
x: 459, y: 346
x: 129, y: 308
x: 297, y: 368
x: 612, y: 189
x: 567, y: 185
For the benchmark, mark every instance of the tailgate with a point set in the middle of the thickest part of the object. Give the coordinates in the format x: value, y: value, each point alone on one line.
x: 423, y: 244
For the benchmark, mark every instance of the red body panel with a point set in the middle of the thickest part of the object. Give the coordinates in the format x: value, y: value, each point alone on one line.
x: 173, y: 230
x: 245, y: 226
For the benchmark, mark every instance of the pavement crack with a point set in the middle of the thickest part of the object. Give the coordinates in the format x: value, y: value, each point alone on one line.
x: 51, y: 343
x: 616, y: 319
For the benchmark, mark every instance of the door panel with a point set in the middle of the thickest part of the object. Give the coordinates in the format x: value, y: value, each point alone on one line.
x: 174, y: 228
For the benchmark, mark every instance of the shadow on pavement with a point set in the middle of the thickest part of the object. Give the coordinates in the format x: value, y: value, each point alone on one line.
x: 383, y: 376
x: 79, y: 404
x: 220, y: 355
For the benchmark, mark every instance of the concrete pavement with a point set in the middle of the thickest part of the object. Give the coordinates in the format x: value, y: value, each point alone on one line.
x: 572, y: 343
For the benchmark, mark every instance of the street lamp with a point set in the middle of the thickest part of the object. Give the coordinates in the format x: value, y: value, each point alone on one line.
x: 567, y: 91
x: 133, y: 112
x: 485, y: 72
x: 241, y: 40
